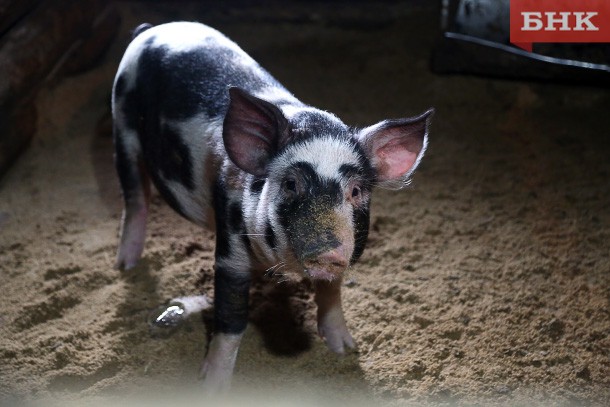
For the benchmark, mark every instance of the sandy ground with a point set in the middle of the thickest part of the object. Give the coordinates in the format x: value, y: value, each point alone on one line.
x: 487, y: 281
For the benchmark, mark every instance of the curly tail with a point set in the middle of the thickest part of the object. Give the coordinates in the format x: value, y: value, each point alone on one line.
x: 140, y: 29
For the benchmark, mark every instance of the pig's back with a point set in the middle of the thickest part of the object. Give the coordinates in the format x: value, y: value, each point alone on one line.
x: 170, y: 97
x: 184, y: 68
x: 169, y: 100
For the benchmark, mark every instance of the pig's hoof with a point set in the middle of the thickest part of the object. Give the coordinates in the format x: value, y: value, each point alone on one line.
x: 216, y: 380
x: 337, y: 337
x: 126, y: 260
x: 124, y: 265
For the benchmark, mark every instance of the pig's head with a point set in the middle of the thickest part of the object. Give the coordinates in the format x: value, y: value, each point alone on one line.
x: 317, y: 175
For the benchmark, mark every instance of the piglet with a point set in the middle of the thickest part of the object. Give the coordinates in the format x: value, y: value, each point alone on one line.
x: 285, y: 186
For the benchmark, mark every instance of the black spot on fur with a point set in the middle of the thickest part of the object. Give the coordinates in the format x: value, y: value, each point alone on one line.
x: 236, y: 221
x: 350, y: 170
x: 119, y: 86
x: 237, y: 225
x: 315, y: 186
x: 364, y: 171
x: 132, y: 112
x: 127, y: 170
x: 299, y: 214
x: 257, y: 185
x: 220, y: 201
x: 361, y: 232
x: 231, y: 292
x: 182, y: 84
x: 361, y: 216
x: 246, y: 241
x: 167, y: 194
x: 270, y: 237
x: 171, y: 156
x: 231, y: 288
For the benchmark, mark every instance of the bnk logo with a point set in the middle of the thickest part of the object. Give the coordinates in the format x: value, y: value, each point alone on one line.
x: 533, y: 21
x: 559, y: 21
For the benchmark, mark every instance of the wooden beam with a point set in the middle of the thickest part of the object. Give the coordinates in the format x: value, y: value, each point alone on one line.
x: 31, y: 49
x: 13, y: 10
x: 37, y: 45
x: 90, y: 49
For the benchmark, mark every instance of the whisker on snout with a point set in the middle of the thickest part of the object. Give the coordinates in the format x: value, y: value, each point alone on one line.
x: 280, y: 264
x: 272, y: 271
x: 283, y: 280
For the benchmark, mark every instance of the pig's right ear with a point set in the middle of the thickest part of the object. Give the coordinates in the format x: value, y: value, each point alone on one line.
x: 395, y: 148
x: 253, y: 128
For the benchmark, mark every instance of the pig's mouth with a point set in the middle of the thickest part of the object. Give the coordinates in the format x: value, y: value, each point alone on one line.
x: 318, y: 270
x: 320, y: 274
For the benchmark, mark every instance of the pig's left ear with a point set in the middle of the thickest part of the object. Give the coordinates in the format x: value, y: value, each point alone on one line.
x: 395, y: 147
x: 252, y: 130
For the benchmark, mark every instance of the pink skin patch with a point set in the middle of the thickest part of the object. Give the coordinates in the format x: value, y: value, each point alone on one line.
x: 332, y: 327
x: 397, y: 153
x: 330, y: 265
x: 395, y: 145
x: 218, y: 365
x: 133, y: 234
x: 331, y: 322
x: 395, y: 161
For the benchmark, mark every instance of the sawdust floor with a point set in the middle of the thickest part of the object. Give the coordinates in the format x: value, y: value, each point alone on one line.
x: 487, y: 281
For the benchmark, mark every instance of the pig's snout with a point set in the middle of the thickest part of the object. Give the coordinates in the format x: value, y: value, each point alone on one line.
x: 322, y: 240
x: 328, y: 265
x: 335, y: 257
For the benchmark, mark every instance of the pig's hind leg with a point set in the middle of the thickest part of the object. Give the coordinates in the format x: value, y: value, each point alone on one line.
x: 135, y: 185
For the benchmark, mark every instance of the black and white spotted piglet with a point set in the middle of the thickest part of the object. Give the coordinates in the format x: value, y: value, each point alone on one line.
x: 287, y: 187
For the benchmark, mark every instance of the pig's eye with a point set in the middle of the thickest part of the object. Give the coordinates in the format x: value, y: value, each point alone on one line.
x: 355, y: 192
x: 290, y: 185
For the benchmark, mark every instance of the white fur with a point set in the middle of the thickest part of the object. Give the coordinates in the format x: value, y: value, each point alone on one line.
x: 274, y: 95
x: 185, y: 36
x: 239, y: 260
x: 201, y: 135
x: 217, y: 368
x: 193, y: 303
x: 198, y: 132
x: 325, y: 154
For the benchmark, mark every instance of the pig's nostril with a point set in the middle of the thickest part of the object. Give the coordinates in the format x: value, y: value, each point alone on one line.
x: 333, y: 258
x: 318, y: 263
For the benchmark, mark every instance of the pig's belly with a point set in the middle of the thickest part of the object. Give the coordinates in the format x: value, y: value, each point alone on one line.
x: 189, y: 205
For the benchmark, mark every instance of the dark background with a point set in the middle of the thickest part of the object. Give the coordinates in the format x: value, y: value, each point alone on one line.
x: 485, y: 282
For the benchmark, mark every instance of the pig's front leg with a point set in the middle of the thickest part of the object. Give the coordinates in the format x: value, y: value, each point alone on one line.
x: 231, y: 288
x: 331, y: 323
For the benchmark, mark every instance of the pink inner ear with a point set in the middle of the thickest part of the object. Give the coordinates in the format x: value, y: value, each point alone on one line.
x: 395, y: 161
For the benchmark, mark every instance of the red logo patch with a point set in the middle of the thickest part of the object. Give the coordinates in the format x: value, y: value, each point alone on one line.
x: 558, y: 21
